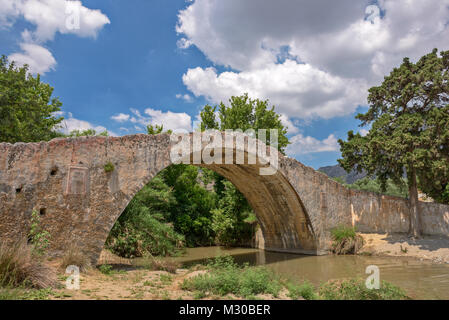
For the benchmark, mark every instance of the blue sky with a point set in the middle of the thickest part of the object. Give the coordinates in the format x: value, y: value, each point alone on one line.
x: 135, y: 62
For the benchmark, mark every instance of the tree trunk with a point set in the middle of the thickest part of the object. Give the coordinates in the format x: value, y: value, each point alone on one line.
x: 415, y: 218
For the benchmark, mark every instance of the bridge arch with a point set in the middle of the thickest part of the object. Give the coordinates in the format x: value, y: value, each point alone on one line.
x: 281, y: 215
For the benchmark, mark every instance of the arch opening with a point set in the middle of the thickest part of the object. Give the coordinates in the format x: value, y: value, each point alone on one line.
x: 281, y: 216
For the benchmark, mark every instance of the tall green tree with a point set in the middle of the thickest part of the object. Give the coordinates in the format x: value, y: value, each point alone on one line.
x: 242, y: 113
x: 245, y: 113
x: 26, y: 106
x: 409, y: 118
x: 231, y: 220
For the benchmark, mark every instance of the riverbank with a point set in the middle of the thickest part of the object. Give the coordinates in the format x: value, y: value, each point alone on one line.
x: 119, y: 278
x: 217, y: 279
x: 433, y: 248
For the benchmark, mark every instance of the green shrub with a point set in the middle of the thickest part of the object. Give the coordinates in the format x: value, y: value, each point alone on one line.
x: 445, y: 195
x: 305, y: 290
x: 346, y: 240
x: 106, y: 269
x: 232, y: 220
x: 343, y: 232
x: 138, y: 232
x: 226, y: 277
x: 257, y: 280
x: 109, y: 167
x: 355, y: 289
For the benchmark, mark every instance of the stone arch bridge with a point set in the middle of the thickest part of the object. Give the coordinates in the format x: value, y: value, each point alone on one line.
x: 66, y: 181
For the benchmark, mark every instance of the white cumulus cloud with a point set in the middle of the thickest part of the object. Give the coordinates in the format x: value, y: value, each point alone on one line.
x: 170, y: 120
x: 299, y: 145
x: 71, y: 123
x: 296, y: 90
x: 121, y: 117
x: 310, y: 58
x: 39, y: 59
x: 49, y: 17
x: 186, y: 97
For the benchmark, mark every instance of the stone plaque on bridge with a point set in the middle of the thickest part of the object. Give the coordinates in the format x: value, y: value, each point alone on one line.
x: 77, y: 180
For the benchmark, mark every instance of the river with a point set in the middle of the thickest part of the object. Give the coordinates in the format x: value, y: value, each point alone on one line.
x: 421, y: 279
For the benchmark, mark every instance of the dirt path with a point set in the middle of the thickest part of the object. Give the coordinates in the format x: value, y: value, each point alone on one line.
x: 129, y: 284
x: 432, y: 248
x: 126, y: 281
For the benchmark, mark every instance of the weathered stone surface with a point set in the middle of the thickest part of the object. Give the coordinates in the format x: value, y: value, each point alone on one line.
x: 65, y: 180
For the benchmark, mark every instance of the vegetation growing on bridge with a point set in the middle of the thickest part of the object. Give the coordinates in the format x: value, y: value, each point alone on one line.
x: 109, y: 167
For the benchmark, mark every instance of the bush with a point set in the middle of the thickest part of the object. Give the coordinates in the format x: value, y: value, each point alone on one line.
x: 138, y: 232
x: 305, y: 290
x: 355, y: 289
x: 20, y: 267
x: 226, y: 277
x: 106, y: 269
x: 232, y: 220
x: 109, y: 167
x: 346, y: 240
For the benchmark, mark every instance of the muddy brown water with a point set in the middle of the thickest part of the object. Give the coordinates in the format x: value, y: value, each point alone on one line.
x: 421, y: 279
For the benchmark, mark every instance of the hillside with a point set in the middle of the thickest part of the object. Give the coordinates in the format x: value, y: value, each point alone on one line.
x: 337, y: 171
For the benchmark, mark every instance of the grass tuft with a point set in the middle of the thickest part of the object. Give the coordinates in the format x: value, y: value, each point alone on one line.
x: 346, y: 240
x: 74, y: 256
x: 19, y: 267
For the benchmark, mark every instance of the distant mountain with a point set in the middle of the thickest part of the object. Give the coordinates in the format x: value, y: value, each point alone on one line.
x: 337, y: 171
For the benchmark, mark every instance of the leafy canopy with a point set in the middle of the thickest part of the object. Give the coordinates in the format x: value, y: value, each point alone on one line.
x: 409, y: 118
x: 245, y: 113
x: 27, y: 109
